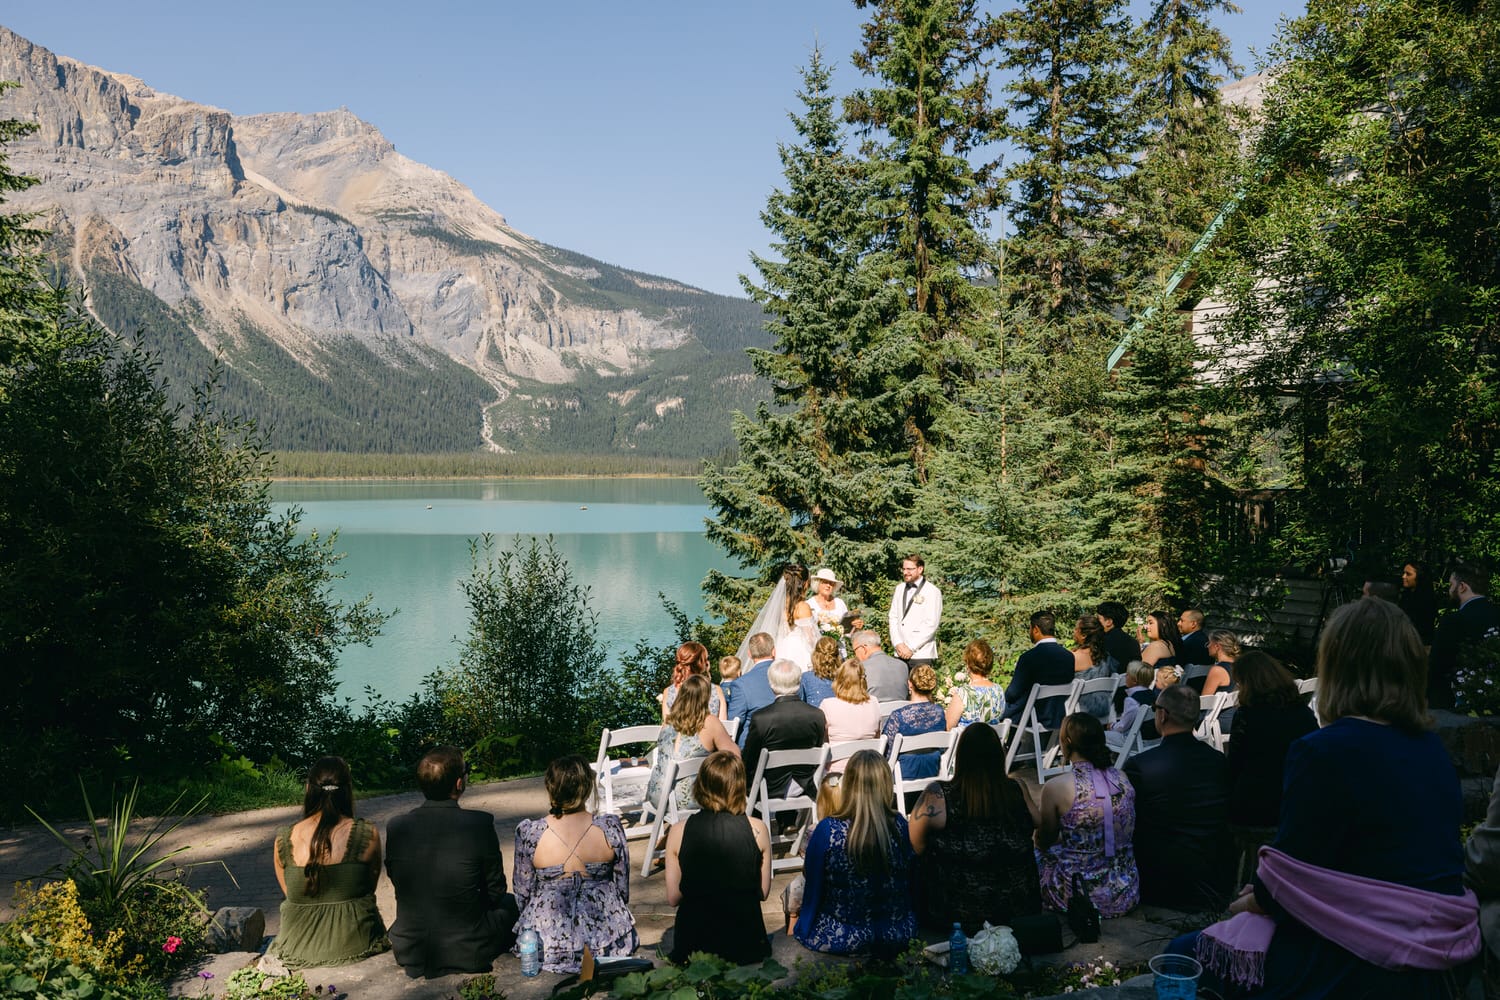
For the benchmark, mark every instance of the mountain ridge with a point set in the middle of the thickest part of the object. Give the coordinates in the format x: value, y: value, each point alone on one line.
x: 282, y: 239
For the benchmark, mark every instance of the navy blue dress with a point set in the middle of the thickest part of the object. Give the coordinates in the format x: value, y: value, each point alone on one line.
x: 813, y: 689
x: 1369, y: 800
x: 846, y: 911
x: 917, y: 720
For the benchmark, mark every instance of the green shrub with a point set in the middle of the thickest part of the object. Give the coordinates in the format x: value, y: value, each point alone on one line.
x: 30, y: 969
x: 251, y: 984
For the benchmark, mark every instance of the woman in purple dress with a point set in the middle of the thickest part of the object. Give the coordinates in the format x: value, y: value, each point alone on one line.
x: 572, y: 874
x: 1086, y: 827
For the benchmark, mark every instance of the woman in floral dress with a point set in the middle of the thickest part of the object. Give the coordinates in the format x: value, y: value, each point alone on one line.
x: 690, y: 731
x: 1086, y: 826
x: 572, y: 874
x: 977, y: 699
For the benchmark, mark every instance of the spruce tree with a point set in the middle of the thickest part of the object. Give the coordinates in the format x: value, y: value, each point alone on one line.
x: 823, y: 476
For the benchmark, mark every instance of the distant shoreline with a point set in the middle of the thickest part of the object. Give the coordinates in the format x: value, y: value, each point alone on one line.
x: 308, y: 466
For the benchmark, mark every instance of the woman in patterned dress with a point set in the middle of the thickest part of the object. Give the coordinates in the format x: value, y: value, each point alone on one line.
x: 859, y: 869
x: 1086, y: 826
x: 572, y: 874
x: 690, y: 731
x: 691, y: 659
x: 977, y: 699
x: 917, y: 719
x: 973, y: 836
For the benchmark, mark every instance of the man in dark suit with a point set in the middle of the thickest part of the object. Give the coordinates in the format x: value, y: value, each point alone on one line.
x: 751, y: 692
x: 1460, y: 634
x: 1119, y: 645
x: 1194, y: 637
x: 788, y: 723
x: 1046, y: 662
x: 1182, y: 843
x: 452, y: 911
x: 885, y: 675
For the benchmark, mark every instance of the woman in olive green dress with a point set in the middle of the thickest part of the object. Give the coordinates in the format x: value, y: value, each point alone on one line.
x: 328, y: 864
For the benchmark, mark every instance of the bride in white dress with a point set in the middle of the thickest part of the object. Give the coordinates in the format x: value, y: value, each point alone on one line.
x: 788, y: 619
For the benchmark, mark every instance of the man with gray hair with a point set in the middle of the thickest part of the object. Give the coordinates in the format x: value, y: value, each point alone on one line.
x: 1182, y: 843
x: 750, y: 692
x: 788, y: 723
x: 885, y: 675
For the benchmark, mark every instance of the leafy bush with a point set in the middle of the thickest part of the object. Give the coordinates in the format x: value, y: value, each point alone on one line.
x: 31, y: 969
x: 51, y: 919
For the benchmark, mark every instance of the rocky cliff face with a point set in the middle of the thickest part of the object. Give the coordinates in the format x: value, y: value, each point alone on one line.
x: 312, y: 229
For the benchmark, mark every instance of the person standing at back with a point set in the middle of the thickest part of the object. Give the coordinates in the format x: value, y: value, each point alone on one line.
x: 1460, y: 633
x: 916, y: 609
x: 453, y: 913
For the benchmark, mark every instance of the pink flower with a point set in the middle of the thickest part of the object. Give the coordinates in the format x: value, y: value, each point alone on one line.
x: 173, y: 943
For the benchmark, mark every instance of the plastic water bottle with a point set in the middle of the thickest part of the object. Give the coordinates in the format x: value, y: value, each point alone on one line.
x: 529, y: 945
x: 958, y: 952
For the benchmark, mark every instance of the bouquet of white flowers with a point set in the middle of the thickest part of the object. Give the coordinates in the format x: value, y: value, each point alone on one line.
x: 994, y: 952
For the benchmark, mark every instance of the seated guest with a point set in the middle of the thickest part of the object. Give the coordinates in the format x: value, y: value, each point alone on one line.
x: 817, y: 683
x: 573, y: 874
x: 719, y: 870
x: 859, y: 869
x: 1091, y: 661
x: 1120, y: 646
x: 1046, y: 662
x: 1161, y: 644
x: 729, y: 669
x: 1271, y: 717
x: 452, y: 911
x: 788, y: 723
x: 973, y: 838
x: 851, y: 713
x: 328, y: 864
x: 1482, y: 871
x: 692, y: 660
x: 1223, y: 648
x: 1372, y: 795
x: 917, y: 719
x: 1085, y: 824
x: 1139, y: 694
x: 884, y: 674
x: 690, y: 731
x: 1194, y: 637
x: 751, y: 691
x: 977, y: 698
x: 1181, y: 811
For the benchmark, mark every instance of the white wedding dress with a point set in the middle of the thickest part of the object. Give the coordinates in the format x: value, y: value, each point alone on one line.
x: 792, y: 643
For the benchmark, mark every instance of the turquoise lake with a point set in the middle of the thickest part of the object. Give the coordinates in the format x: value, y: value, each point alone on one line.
x: 407, y: 544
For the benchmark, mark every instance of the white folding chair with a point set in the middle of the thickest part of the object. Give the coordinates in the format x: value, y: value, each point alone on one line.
x: 1209, y: 707
x: 666, y: 811
x: 887, y: 707
x: 1309, y: 687
x: 732, y: 727
x: 805, y: 804
x: 1134, y: 742
x: 619, y: 789
x: 1105, y: 686
x: 845, y: 749
x: 942, y: 740
x: 1196, y: 672
x: 1002, y: 729
x: 1030, y: 730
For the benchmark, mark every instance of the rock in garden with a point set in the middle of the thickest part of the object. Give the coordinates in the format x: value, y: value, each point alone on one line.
x: 236, y: 928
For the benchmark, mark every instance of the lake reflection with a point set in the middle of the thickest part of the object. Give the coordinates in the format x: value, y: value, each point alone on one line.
x: 636, y: 538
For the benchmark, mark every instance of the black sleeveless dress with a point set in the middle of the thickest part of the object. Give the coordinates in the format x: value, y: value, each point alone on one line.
x: 720, y: 910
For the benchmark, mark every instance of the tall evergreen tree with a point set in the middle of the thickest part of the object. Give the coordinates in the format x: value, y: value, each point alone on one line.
x: 823, y: 476
x: 1075, y: 124
x: 928, y: 119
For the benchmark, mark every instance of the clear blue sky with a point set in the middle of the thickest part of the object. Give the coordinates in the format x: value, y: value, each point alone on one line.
x: 643, y: 134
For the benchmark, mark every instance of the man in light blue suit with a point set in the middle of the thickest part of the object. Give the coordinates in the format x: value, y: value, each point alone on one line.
x: 751, y: 691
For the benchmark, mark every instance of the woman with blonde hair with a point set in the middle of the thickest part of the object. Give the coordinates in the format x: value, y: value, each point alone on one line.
x: 691, y: 660
x: 719, y: 870
x: 817, y: 683
x: 689, y: 731
x: 1224, y: 647
x: 328, y: 864
x: 977, y: 699
x: 852, y: 713
x: 859, y: 869
x: 1361, y: 893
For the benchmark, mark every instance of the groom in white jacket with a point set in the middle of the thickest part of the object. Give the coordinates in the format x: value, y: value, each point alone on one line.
x: 916, y: 608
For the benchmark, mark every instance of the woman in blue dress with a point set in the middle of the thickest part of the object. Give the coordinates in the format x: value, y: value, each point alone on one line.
x: 858, y: 897
x: 917, y: 719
